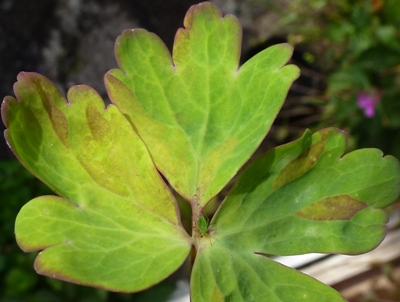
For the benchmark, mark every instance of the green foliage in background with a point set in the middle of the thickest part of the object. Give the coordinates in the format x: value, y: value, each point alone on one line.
x: 355, y: 45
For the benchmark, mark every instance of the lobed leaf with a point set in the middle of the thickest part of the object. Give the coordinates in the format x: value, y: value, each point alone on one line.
x: 197, y: 109
x: 197, y: 117
x: 116, y: 224
x: 307, y: 197
x: 298, y: 198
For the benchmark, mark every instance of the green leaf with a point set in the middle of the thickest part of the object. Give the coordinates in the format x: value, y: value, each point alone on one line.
x: 197, y: 117
x: 220, y: 274
x: 307, y: 197
x: 298, y: 198
x: 116, y: 224
x: 197, y: 109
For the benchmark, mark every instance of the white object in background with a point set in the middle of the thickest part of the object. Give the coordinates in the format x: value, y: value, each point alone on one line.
x: 182, y: 292
x: 300, y: 260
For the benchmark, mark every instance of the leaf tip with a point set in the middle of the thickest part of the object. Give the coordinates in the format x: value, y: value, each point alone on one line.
x: 202, y: 8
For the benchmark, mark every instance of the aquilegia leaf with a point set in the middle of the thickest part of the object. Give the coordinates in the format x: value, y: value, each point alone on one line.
x: 116, y: 224
x: 196, y: 117
x: 198, y: 110
x: 298, y: 198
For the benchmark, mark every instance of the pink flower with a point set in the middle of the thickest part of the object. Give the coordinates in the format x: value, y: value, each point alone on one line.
x: 367, y: 103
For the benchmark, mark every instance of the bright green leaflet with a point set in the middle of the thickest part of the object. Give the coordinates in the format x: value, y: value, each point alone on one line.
x: 198, y: 110
x: 202, y: 224
x: 116, y: 225
x: 298, y: 198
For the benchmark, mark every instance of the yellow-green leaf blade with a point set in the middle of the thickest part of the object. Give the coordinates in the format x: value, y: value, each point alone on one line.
x: 197, y: 109
x: 92, y: 157
x: 307, y: 197
x: 106, y: 246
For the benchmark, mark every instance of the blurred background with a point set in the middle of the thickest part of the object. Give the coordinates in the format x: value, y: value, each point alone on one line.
x: 348, y: 52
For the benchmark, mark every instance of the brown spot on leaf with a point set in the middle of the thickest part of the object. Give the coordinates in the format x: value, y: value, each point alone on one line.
x: 57, y: 118
x: 96, y: 122
x: 341, y: 207
x: 216, y: 295
x: 300, y: 165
